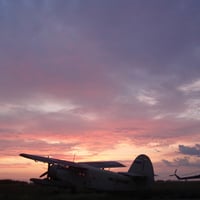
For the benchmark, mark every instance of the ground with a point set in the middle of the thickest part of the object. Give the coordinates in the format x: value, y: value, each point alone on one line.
x: 176, y: 190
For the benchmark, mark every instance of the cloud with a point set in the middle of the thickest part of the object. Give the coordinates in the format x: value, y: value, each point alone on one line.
x: 192, y: 110
x: 191, y: 87
x: 95, y: 74
x: 193, y: 151
x: 181, y: 162
x: 177, y: 162
x: 18, y: 146
x: 147, y: 97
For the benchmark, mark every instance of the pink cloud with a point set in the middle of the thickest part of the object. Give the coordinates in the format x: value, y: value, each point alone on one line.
x: 73, y: 79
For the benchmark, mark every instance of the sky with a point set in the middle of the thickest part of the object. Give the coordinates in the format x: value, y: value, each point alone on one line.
x: 99, y: 80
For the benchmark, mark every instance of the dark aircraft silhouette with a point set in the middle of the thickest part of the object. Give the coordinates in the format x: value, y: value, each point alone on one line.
x: 185, y: 177
x: 87, y: 176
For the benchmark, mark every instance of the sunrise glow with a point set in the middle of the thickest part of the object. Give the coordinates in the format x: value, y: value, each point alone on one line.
x: 99, y: 80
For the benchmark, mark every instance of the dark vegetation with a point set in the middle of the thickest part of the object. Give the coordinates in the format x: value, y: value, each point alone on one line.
x: 18, y: 190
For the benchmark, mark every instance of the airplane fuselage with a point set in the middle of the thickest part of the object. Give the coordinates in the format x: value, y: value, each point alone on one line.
x: 92, y: 179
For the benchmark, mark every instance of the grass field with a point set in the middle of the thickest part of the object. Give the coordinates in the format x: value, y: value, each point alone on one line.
x: 162, y: 190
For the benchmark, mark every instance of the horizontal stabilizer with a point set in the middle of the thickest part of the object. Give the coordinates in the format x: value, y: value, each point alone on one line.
x: 132, y: 175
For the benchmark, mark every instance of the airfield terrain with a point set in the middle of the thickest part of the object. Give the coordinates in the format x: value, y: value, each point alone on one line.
x: 162, y: 190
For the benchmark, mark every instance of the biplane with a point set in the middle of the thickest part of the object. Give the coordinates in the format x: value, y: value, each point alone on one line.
x: 95, y: 176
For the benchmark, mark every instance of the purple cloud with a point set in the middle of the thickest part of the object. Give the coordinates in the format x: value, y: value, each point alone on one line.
x: 118, y: 70
x: 192, y: 151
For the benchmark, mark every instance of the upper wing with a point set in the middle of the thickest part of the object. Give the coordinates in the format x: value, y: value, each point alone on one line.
x: 103, y: 164
x: 98, y: 164
x: 49, y: 160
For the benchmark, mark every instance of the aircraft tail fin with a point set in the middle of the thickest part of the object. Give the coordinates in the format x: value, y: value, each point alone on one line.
x: 143, y: 169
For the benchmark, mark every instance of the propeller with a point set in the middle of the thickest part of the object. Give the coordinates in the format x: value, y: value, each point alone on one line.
x: 174, y: 174
x: 46, y: 173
